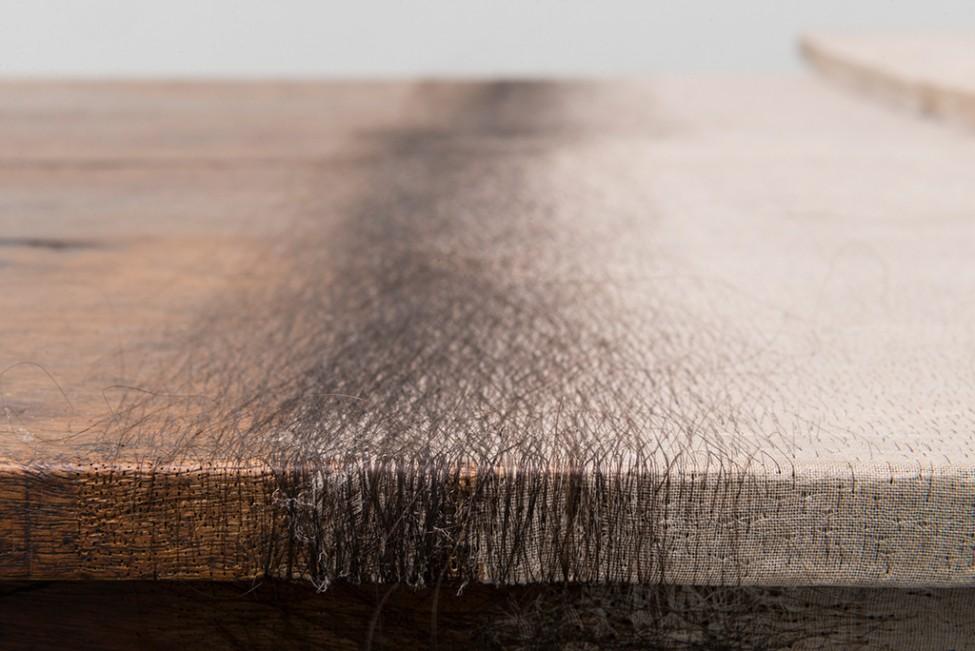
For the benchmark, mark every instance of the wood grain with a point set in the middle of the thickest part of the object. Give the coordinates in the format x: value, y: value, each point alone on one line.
x: 758, y: 271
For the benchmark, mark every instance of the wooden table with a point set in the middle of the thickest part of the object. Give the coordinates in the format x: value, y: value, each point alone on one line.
x: 754, y: 291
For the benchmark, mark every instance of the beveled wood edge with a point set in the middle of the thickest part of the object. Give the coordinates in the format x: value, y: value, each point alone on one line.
x: 229, y: 521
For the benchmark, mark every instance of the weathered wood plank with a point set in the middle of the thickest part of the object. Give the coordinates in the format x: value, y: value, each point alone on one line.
x: 755, y: 293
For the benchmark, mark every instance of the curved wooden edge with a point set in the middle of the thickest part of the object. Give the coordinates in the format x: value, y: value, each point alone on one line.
x: 924, y: 89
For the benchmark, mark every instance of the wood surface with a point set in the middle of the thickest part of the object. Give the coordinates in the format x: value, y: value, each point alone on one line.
x: 797, y: 264
x: 125, y: 208
x: 931, y: 73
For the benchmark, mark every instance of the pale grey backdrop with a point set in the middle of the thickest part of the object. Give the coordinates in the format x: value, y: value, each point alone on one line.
x: 432, y: 37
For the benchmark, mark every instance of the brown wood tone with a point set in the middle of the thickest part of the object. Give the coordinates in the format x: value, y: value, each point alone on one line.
x: 99, y: 267
x: 761, y: 276
x: 120, y: 521
x: 125, y: 211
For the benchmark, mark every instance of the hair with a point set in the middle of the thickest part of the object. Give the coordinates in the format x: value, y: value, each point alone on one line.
x: 479, y: 372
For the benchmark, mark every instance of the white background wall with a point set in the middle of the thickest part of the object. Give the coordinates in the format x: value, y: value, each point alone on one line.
x: 432, y: 37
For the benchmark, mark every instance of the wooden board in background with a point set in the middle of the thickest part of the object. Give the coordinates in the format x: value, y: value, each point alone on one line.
x: 931, y: 73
